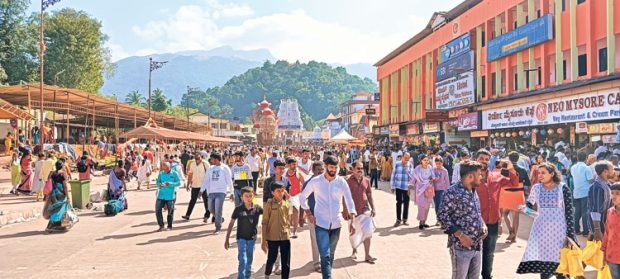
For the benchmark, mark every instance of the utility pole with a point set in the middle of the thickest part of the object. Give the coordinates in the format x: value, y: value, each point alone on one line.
x: 190, y: 90
x: 153, y: 65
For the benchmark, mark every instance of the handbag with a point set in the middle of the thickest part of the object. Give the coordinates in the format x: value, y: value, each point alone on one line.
x: 604, y: 273
x: 429, y: 192
x: 48, y: 186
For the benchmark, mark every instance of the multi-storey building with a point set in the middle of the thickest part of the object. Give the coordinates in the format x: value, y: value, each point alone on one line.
x: 507, y: 72
x: 354, y: 114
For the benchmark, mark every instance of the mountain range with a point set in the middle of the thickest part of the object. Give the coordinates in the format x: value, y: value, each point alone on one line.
x: 196, y: 69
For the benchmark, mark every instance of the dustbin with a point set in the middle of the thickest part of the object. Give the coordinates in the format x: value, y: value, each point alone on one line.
x: 80, y: 193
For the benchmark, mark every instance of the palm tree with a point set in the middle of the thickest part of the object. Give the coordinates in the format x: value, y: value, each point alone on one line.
x: 135, y: 98
x: 159, y: 101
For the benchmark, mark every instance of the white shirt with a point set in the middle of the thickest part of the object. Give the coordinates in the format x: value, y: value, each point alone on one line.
x: 253, y: 161
x: 395, y: 157
x: 600, y: 150
x: 456, y: 173
x: 367, y: 156
x: 218, y: 179
x: 307, y: 167
x: 328, y: 196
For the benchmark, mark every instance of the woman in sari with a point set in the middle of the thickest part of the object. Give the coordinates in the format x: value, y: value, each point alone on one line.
x: 422, y: 181
x: 26, y: 173
x: 116, y: 190
x: 57, y: 208
x: 386, y: 167
x: 15, y: 173
x: 553, y: 226
x: 534, y: 173
x: 8, y: 143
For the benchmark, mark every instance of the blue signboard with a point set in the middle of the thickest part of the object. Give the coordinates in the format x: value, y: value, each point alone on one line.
x: 455, y: 47
x: 524, y: 37
x: 455, y: 66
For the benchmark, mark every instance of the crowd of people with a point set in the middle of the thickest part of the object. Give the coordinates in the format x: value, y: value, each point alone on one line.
x: 477, y: 196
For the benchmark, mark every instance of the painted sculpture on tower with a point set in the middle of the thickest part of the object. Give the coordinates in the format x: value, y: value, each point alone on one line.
x: 266, y: 123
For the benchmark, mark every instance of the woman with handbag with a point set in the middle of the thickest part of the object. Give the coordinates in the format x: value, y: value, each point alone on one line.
x: 57, y: 208
x: 422, y: 182
x: 552, y: 226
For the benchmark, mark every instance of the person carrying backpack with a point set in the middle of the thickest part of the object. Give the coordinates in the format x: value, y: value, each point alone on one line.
x: 84, y: 166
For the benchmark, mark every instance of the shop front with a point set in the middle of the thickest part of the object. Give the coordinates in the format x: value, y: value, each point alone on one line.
x: 554, y: 120
x: 432, y: 135
x: 457, y: 129
x: 413, y: 134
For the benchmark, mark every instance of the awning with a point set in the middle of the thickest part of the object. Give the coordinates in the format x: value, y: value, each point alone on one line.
x: 9, y: 111
x: 146, y: 132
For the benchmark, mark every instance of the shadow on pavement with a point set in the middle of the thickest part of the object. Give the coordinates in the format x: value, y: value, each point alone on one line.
x: 402, y: 230
x: 22, y: 234
x: 130, y: 235
x: 143, y: 212
x: 180, y: 237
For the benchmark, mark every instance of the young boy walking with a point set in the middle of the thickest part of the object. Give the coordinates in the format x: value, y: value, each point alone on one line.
x: 276, y: 231
x: 611, y: 246
x: 247, y: 214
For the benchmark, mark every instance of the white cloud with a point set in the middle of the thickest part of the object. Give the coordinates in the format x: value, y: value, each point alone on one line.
x: 292, y: 36
x: 230, y: 10
x: 117, y: 51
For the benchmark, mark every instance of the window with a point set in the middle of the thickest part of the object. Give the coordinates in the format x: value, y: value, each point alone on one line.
x: 563, y: 5
x: 493, y: 84
x: 564, y: 69
x: 602, y: 59
x: 483, y: 39
x: 580, y: 1
x: 583, y: 64
x: 515, y: 25
x: 527, y: 78
x: 527, y: 19
x: 538, y: 14
x: 539, y: 75
x: 516, y: 82
x: 484, y: 87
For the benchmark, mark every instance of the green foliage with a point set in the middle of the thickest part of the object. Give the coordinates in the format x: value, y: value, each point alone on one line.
x: 18, y: 43
x: 160, y: 101
x: 135, y: 98
x: 318, y: 87
x: 181, y: 111
x: 75, y: 43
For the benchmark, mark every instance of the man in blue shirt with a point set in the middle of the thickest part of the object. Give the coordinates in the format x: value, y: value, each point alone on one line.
x: 270, y: 161
x: 582, y: 179
x: 167, y: 181
x: 399, y: 182
x: 599, y: 198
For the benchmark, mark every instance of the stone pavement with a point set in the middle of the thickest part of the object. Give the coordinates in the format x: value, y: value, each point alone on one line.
x: 127, y: 246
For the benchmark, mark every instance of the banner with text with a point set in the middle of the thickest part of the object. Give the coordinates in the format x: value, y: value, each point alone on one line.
x: 456, y: 92
x: 591, y: 106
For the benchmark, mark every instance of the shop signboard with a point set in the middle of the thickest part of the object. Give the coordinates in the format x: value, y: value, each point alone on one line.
x: 394, y: 130
x: 431, y: 127
x: 609, y: 139
x: 537, y: 31
x: 457, y: 112
x: 601, y: 128
x: 469, y: 121
x: 454, y: 66
x: 455, y: 47
x: 385, y: 130
x: 479, y: 134
x: 413, y: 129
x: 456, y: 91
x: 592, y: 106
x: 581, y: 127
x: 436, y: 116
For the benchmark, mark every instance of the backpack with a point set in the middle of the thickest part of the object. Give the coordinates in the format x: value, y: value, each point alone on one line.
x: 82, y: 166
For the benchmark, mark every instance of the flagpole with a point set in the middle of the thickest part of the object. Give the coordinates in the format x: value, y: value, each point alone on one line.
x: 41, y: 61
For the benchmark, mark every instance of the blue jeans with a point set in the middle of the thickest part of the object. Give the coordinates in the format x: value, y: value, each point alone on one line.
x: 488, y: 251
x: 374, y: 178
x: 581, y: 213
x: 216, y: 203
x: 437, y: 200
x: 326, y: 241
x: 237, y: 194
x: 159, y: 205
x: 465, y: 263
x: 246, y: 255
x: 615, y: 270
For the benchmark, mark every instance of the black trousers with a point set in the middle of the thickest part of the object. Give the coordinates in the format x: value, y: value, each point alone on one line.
x: 402, y: 205
x: 194, y: 198
x: 159, y: 205
x: 285, y: 256
x: 366, y: 172
x: 488, y: 251
x: 374, y: 177
x: 255, y: 180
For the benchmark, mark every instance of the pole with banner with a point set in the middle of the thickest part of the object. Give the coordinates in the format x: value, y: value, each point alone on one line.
x: 44, y: 5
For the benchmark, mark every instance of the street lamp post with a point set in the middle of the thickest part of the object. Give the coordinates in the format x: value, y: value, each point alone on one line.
x: 153, y: 65
x: 190, y: 90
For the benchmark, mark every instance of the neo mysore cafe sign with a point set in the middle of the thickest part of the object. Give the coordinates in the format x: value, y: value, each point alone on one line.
x: 592, y: 106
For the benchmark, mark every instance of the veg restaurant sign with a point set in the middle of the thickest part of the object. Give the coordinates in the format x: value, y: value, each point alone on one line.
x: 591, y: 106
x: 536, y: 32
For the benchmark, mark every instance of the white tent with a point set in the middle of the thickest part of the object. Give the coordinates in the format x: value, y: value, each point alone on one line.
x: 342, y: 137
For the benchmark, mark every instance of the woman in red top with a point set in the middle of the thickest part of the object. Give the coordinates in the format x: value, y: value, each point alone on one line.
x: 611, y: 239
x: 509, y: 200
x: 296, y: 181
x: 534, y: 173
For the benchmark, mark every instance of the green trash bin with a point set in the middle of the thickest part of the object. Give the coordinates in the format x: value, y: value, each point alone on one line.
x: 80, y: 193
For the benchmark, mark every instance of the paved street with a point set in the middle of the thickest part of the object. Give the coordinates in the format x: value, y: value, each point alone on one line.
x: 128, y: 246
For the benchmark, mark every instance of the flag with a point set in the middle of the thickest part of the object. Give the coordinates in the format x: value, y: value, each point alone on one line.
x: 47, y: 3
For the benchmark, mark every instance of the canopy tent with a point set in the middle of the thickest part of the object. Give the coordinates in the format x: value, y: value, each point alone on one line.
x: 152, y: 131
x: 342, y: 137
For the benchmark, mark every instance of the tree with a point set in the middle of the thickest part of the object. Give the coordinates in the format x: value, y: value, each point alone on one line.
x: 160, y: 102
x: 134, y: 98
x: 18, y: 43
x: 75, y: 43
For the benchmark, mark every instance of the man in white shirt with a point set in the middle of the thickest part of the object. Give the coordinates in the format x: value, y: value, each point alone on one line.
x: 329, y: 190
x: 395, y: 155
x: 255, y: 162
x: 456, y: 172
x: 305, y: 164
x: 196, y: 171
x: 218, y: 180
x: 366, y: 161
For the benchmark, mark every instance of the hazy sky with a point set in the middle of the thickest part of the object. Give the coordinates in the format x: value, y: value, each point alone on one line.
x: 334, y: 31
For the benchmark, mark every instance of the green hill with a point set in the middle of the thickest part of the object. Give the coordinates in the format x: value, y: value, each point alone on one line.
x: 318, y: 87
